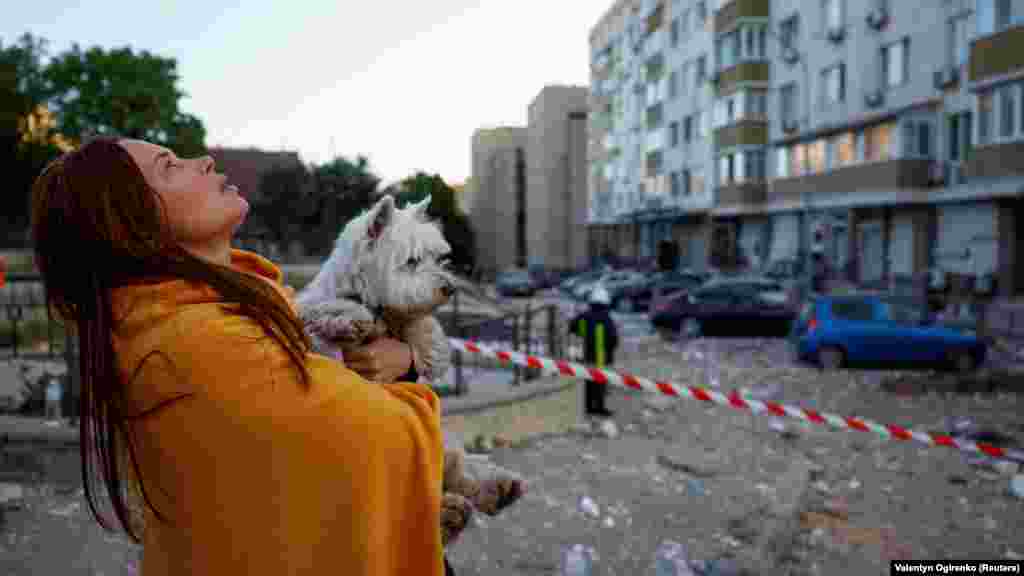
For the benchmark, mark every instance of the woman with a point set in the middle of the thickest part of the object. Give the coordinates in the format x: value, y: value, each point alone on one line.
x: 245, y: 453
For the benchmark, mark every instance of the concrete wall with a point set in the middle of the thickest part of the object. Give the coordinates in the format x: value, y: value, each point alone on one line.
x: 494, y: 190
x: 556, y: 178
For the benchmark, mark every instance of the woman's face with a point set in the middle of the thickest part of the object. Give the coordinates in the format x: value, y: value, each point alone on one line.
x: 202, y: 209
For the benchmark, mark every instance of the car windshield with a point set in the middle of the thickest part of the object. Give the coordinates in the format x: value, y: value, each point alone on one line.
x: 853, y: 309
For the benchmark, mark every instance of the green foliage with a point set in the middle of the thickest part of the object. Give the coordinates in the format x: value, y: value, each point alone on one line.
x: 123, y: 92
x: 444, y: 208
x: 342, y: 189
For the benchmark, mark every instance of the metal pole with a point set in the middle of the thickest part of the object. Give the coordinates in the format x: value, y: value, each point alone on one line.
x: 460, y: 383
x: 515, y: 346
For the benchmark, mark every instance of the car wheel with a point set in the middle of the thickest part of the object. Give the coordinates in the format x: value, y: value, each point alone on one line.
x: 830, y: 358
x: 692, y: 328
x: 667, y: 334
x: 963, y: 362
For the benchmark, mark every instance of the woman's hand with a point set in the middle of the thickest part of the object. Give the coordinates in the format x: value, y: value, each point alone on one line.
x: 382, y: 360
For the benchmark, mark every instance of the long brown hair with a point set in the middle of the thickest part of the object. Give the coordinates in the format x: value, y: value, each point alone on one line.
x: 95, y: 202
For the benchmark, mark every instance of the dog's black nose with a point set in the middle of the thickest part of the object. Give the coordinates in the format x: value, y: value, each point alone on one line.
x: 448, y: 289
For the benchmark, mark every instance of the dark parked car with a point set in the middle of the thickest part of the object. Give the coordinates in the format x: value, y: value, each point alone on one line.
x: 784, y: 270
x: 739, y: 306
x: 516, y: 283
x: 569, y: 284
x: 871, y: 330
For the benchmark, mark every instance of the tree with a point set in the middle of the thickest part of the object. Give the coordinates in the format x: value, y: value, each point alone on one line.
x: 27, y: 141
x: 118, y: 91
x: 342, y: 190
x: 444, y: 208
x: 283, y: 190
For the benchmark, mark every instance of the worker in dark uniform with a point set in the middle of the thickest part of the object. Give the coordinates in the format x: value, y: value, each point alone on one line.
x: 600, y: 340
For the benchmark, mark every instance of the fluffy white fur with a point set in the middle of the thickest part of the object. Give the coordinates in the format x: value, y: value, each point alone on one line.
x: 385, y: 275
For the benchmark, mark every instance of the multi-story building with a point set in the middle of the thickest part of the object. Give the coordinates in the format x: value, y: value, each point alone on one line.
x: 556, y: 184
x: 650, y: 152
x: 499, y: 197
x: 885, y: 135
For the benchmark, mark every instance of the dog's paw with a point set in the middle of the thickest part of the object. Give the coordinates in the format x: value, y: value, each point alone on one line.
x: 456, y: 514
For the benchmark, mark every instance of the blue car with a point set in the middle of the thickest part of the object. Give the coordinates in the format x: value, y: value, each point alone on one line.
x: 874, y: 331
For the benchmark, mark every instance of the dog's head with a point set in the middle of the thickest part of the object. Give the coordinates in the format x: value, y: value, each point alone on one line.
x: 398, y: 258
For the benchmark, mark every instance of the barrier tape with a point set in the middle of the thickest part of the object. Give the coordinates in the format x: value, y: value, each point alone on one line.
x: 735, y: 400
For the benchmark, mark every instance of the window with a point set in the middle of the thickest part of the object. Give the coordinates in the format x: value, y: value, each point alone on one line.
x: 833, y: 12
x: 684, y: 71
x: 730, y: 111
x: 895, y: 62
x: 816, y: 157
x: 854, y: 310
x: 751, y: 39
x: 797, y: 160
x: 687, y: 128
x: 673, y: 134
x: 787, y: 104
x: 834, y: 80
x: 877, y: 142
x: 754, y: 169
x: 674, y: 183
x: 844, y: 150
x: 727, y: 168
x: 755, y: 105
x: 673, y: 84
x: 702, y: 12
x: 762, y: 41
x: 1008, y: 107
x: 674, y: 32
x: 984, y: 118
x: 959, y: 41
x: 729, y: 47
x: 782, y: 162
x: 701, y: 68
x: 700, y: 125
x: 789, y: 31
x: 917, y: 139
x: 696, y: 182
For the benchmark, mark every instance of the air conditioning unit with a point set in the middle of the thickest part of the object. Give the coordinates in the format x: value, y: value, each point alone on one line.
x: 790, y: 55
x: 873, y: 98
x: 877, y: 18
x: 835, y: 34
x: 937, y: 173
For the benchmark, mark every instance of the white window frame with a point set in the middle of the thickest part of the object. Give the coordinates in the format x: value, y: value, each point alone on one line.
x: 985, y: 135
x: 833, y: 14
x: 904, y: 44
x: 827, y: 96
x: 1014, y: 90
x: 782, y: 161
x: 790, y: 90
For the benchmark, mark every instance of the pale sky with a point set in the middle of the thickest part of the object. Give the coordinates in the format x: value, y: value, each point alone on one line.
x: 404, y: 83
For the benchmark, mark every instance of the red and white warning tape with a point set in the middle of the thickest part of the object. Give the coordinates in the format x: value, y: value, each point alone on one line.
x: 734, y: 400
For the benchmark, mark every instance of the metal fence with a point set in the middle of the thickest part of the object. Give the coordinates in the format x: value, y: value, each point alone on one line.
x: 30, y: 333
x: 535, y: 330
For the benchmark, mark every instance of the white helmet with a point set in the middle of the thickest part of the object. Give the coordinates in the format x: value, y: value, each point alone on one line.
x: 600, y: 296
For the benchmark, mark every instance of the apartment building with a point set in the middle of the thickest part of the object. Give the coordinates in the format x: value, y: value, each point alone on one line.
x: 650, y: 153
x: 498, y: 161
x: 556, y: 187
x: 885, y: 135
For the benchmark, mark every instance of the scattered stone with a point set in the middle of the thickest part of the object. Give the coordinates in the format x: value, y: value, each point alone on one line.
x: 65, y: 511
x: 1017, y: 486
x: 609, y: 522
x: 589, y: 507
x: 854, y: 484
x: 609, y: 429
x: 822, y: 487
x: 957, y: 480
x: 500, y: 441
x: 1012, y: 555
x: 990, y: 524
x: 11, y: 495
x: 659, y: 403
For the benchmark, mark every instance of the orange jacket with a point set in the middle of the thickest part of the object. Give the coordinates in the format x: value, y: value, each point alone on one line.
x: 258, y: 475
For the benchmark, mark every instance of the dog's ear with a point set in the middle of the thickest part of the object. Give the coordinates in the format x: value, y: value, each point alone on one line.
x: 381, y: 215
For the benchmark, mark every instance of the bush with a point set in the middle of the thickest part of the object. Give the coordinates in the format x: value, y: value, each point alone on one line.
x: 298, y: 280
x: 32, y: 329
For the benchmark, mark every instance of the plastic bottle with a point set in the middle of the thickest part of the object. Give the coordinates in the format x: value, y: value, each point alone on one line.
x: 577, y: 560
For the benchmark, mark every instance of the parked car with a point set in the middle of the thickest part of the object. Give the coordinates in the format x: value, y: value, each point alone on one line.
x: 870, y: 330
x: 613, y: 281
x: 784, y: 270
x: 516, y: 282
x: 569, y: 284
x: 673, y: 285
x: 740, y: 306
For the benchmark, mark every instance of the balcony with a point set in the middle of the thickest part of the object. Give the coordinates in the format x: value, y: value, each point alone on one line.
x: 743, y: 193
x: 746, y: 132
x: 997, y: 160
x: 888, y: 175
x: 728, y: 15
x: 730, y: 78
x: 996, y: 55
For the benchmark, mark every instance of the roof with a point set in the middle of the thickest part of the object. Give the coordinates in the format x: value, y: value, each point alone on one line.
x: 245, y: 167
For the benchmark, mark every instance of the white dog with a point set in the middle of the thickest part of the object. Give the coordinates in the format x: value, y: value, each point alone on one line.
x: 386, y: 275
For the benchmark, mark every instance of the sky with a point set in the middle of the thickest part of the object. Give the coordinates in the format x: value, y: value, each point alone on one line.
x: 404, y: 83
